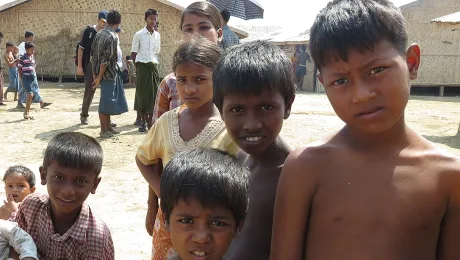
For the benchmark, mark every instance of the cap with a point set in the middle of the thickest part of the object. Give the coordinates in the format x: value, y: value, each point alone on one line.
x: 118, y: 30
x: 103, y: 15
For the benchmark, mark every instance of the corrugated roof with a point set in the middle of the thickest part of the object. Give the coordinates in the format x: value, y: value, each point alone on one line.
x: 282, y: 35
x: 257, y: 31
x: 451, y: 18
x: 7, y: 4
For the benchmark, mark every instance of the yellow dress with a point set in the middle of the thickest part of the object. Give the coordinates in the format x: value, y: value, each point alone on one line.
x: 162, y: 142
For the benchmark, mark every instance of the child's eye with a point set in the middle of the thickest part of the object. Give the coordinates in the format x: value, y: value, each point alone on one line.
x: 237, y: 110
x: 377, y: 70
x: 180, y: 80
x: 57, y: 177
x: 267, y: 107
x: 188, y: 30
x: 204, y: 28
x: 186, y: 221
x: 200, y: 79
x: 218, y: 223
x: 340, y: 82
x: 81, y: 181
x: 9, y: 186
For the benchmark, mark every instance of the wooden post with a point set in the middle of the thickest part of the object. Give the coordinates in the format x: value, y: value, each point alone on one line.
x: 441, y: 91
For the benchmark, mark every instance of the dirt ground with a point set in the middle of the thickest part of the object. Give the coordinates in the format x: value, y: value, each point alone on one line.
x: 122, y: 195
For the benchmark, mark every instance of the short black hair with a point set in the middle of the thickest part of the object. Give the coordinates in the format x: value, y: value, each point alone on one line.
x: 150, y: 12
x: 113, y: 17
x: 212, y: 177
x: 28, y: 34
x: 128, y: 57
x: 74, y: 150
x: 225, y: 15
x: 29, y: 45
x: 9, y: 44
x: 199, y: 51
x: 355, y: 24
x: 250, y: 68
x: 22, y: 170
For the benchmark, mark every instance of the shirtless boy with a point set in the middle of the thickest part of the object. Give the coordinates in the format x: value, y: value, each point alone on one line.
x: 376, y: 189
x: 254, y: 90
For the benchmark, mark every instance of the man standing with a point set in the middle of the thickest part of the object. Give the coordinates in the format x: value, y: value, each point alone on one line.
x: 301, y: 69
x: 145, y: 48
x: 229, y: 37
x: 2, y: 83
x: 84, y: 65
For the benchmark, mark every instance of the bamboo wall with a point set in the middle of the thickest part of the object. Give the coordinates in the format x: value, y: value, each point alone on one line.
x: 58, y: 24
x: 440, y: 43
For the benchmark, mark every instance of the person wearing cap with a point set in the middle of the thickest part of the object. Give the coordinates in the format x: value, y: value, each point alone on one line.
x: 84, y: 66
x: 145, y: 48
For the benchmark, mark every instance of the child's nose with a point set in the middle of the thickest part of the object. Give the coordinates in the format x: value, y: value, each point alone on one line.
x: 201, y: 236
x: 252, y: 123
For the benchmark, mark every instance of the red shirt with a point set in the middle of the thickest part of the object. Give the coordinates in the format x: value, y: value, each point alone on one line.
x: 88, y: 238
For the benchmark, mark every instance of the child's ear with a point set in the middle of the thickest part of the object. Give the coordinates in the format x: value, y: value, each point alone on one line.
x: 96, y: 183
x: 413, y: 60
x: 238, y: 228
x: 42, y: 175
x: 287, y: 112
x: 320, y: 78
x: 220, y: 34
x: 32, y: 190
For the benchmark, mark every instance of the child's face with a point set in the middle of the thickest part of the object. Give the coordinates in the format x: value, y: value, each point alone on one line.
x: 68, y: 188
x: 18, y: 186
x: 30, y: 51
x: 202, y: 26
x: 151, y: 21
x: 194, y: 84
x: 201, y: 233
x: 370, y: 91
x: 254, y: 121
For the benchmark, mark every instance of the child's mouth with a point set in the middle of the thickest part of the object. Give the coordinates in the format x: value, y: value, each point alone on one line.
x: 199, y: 253
x: 66, y: 201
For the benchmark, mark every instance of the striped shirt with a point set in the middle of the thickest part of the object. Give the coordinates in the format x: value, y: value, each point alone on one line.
x: 27, y: 65
x: 229, y: 37
x: 167, y: 97
x: 104, y: 51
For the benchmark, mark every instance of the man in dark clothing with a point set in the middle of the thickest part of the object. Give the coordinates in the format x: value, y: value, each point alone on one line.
x: 301, y: 69
x: 84, y: 65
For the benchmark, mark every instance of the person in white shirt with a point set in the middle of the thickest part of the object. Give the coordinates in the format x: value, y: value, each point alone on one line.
x: 22, y: 243
x: 145, y: 48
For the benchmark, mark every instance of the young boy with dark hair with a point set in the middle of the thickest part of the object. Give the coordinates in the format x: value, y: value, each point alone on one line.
x: 376, y: 189
x: 61, y: 223
x: 28, y: 76
x: 254, y: 90
x: 11, y: 59
x: 204, y: 198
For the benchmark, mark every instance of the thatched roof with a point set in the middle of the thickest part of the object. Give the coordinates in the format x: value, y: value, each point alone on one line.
x: 450, y: 19
x: 7, y: 4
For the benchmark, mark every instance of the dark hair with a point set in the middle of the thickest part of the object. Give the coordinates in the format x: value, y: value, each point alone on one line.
x: 210, y: 176
x: 355, y: 24
x: 22, y: 170
x: 150, y: 12
x: 203, y: 9
x: 225, y: 15
x: 250, y: 68
x: 28, y: 34
x: 9, y: 44
x: 113, y: 17
x: 29, y: 45
x: 198, y: 51
x: 128, y: 57
x: 74, y: 150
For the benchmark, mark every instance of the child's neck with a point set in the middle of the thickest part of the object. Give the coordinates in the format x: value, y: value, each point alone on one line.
x: 63, y: 221
x: 396, y: 138
x: 207, y: 110
x: 150, y: 29
x: 274, y: 155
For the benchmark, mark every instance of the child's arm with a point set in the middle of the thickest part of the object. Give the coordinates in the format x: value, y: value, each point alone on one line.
x: 152, y: 211
x: 18, y: 239
x: 150, y: 175
x: 296, y: 188
x: 448, y: 248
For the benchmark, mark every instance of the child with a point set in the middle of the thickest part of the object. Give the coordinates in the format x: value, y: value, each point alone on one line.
x: 61, y: 223
x: 376, y: 189
x: 204, y: 198
x: 195, y: 125
x: 10, y: 58
x: 29, y: 78
x: 19, y: 182
x: 11, y: 236
x: 254, y: 90
x: 131, y: 70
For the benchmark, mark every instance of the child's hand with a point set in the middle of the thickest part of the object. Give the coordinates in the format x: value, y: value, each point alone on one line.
x: 150, y: 220
x: 10, y: 205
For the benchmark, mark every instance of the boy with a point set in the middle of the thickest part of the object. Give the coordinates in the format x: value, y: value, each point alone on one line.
x: 376, y: 189
x: 28, y: 76
x: 254, y: 90
x: 204, y: 198
x: 19, y: 182
x: 12, y: 61
x: 61, y: 223
x: 15, y: 242
x: 145, y: 48
x: 131, y: 70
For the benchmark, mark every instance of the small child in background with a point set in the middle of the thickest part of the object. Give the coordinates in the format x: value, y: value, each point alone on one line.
x: 131, y: 70
x: 12, y: 236
x: 254, y: 90
x: 61, y: 223
x: 28, y: 76
x: 11, y: 59
x: 204, y: 199
x: 19, y: 182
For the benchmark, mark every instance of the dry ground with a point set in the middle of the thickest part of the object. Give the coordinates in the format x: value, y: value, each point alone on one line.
x: 121, y: 197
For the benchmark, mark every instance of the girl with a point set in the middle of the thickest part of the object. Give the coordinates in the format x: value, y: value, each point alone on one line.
x: 196, y: 125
